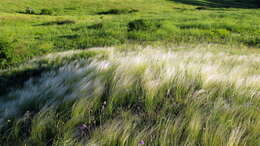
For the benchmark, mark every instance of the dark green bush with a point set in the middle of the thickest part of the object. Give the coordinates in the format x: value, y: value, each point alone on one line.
x: 252, y: 42
x: 140, y: 30
x: 29, y: 10
x: 117, y: 11
x: 201, y: 8
x: 46, y: 12
x: 137, y: 25
x: 143, y: 25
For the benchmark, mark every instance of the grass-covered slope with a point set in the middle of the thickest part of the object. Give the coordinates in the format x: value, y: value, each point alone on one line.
x: 150, y: 96
x: 199, y: 87
x: 35, y: 27
x: 223, y: 3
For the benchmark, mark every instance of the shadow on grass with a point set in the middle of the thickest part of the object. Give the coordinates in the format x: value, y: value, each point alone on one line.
x: 97, y: 26
x: 71, y: 37
x: 222, y: 3
x: 17, y: 79
x: 117, y: 11
x: 62, y: 22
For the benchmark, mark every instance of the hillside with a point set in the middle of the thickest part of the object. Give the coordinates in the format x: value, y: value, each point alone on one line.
x: 31, y: 27
x: 129, y: 72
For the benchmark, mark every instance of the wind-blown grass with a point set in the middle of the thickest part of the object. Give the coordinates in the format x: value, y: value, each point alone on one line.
x: 81, y: 24
x: 160, y: 97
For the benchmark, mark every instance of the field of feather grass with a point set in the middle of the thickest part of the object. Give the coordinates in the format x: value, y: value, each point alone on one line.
x: 139, y: 96
x: 164, y: 72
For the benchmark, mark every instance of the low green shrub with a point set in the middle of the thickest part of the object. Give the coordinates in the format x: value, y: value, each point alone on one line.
x: 29, y: 10
x: 46, y: 12
x: 117, y: 11
x: 142, y: 25
x: 252, y: 42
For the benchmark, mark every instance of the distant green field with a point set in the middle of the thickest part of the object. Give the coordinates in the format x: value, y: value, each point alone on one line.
x: 32, y: 27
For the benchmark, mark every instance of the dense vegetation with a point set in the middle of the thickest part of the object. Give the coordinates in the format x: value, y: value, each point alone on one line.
x: 177, y: 72
x: 33, y: 27
x: 154, y: 96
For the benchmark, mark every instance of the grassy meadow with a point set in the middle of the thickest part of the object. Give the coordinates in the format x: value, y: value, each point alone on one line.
x: 129, y: 72
x: 32, y: 28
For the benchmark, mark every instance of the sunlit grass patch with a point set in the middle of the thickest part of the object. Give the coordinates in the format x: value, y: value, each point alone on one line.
x: 66, y: 25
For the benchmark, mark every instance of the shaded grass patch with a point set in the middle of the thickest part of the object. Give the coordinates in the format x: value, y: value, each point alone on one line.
x: 117, y: 11
x: 10, y: 80
x: 143, y: 25
x: 59, y: 22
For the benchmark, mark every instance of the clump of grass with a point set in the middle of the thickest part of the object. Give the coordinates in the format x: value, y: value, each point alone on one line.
x: 46, y: 12
x: 8, y: 53
x: 142, y: 25
x: 117, y: 11
x: 96, y: 26
x: 29, y: 10
x: 32, y: 11
x: 61, y: 22
x: 253, y: 42
x: 140, y: 30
